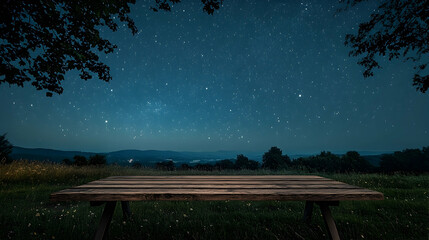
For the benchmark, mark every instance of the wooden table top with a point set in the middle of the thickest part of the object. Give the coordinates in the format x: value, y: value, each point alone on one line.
x: 250, y: 188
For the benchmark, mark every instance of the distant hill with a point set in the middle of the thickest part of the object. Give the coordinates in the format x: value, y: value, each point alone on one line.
x: 42, y: 154
x: 150, y: 157
x: 125, y: 157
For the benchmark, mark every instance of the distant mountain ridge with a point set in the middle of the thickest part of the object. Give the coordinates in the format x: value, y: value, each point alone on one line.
x: 124, y: 157
x: 151, y: 157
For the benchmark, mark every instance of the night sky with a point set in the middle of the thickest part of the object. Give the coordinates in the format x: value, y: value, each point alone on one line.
x: 256, y: 74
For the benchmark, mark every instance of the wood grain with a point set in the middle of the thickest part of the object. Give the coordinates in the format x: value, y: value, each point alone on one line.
x: 272, y: 187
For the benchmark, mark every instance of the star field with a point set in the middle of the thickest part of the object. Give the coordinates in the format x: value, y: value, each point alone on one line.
x: 256, y: 74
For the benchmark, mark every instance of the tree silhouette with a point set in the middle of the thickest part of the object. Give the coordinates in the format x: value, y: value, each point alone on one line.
x: 408, y: 160
x: 224, y: 164
x: 5, y: 149
x: 67, y: 162
x: 185, y: 166
x: 241, y: 162
x: 273, y: 159
x: 352, y: 161
x: 398, y: 29
x: 165, y: 166
x: 97, y: 159
x: 80, y: 160
x: 42, y: 40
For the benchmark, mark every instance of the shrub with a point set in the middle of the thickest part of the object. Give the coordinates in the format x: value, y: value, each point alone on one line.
x: 80, y: 160
x: 97, y: 160
x: 5, y: 149
x: 274, y: 160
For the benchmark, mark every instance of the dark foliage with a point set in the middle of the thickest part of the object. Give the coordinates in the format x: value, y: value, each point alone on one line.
x: 80, y: 160
x: 136, y: 165
x: 97, y: 160
x: 67, y: 162
x: 353, y: 162
x: 5, y: 149
x: 209, y: 5
x: 324, y: 162
x: 165, y: 166
x: 42, y: 40
x: 274, y: 160
x: 204, y: 167
x: 185, y: 166
x: 243, y: 162
x: 328, y: 162
x: 253, y: 165
x: 398, y: 29
x: 224, y: 164
x: 408, y: 160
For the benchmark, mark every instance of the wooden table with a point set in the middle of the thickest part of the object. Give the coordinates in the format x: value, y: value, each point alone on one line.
x: 312, y: 189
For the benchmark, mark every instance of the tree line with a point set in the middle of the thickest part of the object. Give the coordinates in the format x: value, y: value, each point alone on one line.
x: 406, y: 161
x: 94, y: 160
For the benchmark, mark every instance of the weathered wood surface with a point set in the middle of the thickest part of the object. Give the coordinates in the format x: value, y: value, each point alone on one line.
x: 273, y: 187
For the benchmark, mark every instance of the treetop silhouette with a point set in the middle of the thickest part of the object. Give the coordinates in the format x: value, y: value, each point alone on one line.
x: 398, y: 29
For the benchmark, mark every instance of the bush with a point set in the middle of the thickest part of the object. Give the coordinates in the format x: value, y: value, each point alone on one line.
x: 67, y: 162
x: 5, y: 149
x: 274, y: 160
x: 136, y: 165
x: 408, y: 160
x: 80, y: 160
x: 224, y: 164
x: 166, y: 166
x: 97, y: 160
x: 353, y: 162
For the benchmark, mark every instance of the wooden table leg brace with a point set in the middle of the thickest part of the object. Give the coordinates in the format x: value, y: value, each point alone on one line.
x: 106, y: 218
x: 327, y: 216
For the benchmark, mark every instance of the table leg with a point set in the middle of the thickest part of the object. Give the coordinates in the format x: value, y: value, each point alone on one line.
x: 308, y: 211
x: 329, y: 220
x: 106, y: 218
x: 126, y: 212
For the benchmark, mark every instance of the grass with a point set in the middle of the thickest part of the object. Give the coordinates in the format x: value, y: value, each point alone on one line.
x: 27, y: 213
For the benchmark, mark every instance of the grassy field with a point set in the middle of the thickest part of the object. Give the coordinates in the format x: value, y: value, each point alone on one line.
x: 27, y: 213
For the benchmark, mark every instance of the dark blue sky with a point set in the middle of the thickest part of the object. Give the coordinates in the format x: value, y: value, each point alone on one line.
x: 256, y: 74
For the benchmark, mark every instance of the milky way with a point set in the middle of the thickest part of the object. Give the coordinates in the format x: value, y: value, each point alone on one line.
x: 256, y: 74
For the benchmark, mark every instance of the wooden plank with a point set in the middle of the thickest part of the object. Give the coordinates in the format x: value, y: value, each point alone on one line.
x: 213, y: 197
x: 214, y: 194
x: 222, y: 177
x: 218, y: 178
x: 215, y: 182
x: 278, y: 187
x: 220, y: 186
x: 215, y: 191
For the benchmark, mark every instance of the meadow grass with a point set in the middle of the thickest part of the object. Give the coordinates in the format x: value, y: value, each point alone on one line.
x: 27, y: 213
